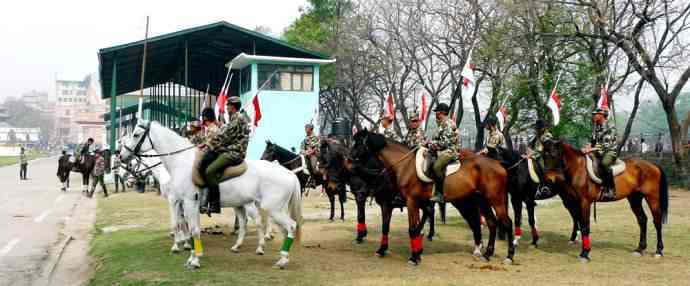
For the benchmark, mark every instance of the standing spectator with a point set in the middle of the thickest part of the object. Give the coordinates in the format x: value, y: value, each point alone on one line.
x: 659, y: 146
x: 64, y: 167
x: 644, y: 147
x: 97, y: 174
x: 119, y: 179
x: 23, y: 163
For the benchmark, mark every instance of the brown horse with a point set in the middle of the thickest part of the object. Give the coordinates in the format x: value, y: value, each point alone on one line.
x: 565, y: 167
x: 477, y: 175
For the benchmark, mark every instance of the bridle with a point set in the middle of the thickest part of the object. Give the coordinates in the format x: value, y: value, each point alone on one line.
x: 137, y: 147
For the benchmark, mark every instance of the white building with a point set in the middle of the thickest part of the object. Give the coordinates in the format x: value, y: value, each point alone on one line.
x: 77, y: 109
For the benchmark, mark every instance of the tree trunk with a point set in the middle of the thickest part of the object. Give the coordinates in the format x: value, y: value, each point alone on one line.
x: 628, y: 126
x: 674, y: 128
x: 479, y: 139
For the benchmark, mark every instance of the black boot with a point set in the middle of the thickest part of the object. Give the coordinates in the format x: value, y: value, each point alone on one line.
x: 214, y: 199
x: 203, y: 202
x: 608, y: 190
x: 438, y: 191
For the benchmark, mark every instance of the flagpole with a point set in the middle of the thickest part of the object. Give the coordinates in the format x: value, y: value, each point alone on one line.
x: 143, y: 71
x: 262, y: 86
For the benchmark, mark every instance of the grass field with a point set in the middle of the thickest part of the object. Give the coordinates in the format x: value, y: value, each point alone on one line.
x: 11, y: 160
x: 328, y: 256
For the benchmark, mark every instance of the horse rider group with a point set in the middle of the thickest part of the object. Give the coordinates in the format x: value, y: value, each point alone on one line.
x: 444, y: 145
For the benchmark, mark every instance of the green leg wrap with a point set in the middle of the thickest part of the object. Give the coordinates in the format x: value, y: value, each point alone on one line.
x: 287, y: 243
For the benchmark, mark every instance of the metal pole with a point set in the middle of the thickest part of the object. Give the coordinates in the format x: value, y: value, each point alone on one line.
x: 143, y: 70
x: 113, y: 105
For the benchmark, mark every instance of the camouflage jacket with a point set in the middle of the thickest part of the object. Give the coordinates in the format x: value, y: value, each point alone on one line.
x: 604, y: 138
x: 197, y: 138
x: 99, y: 166
x: 446, y: 137
x: 414, y: 138
x: 495, y: 139
x: 231, y: 139
x: 23, y: 159
x: 537, y: 143
x: 388, y: 132
x: 311, y: 142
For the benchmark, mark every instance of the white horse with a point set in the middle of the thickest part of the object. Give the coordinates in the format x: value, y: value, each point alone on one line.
x: 178, y: 225
x: 265, y: 186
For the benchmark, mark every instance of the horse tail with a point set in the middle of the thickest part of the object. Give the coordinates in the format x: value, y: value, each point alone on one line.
x: 295, y: 207
x: 663, y: 195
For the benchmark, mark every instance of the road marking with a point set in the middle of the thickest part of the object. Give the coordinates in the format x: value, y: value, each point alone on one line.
x: 59, y: 199
x: 5, y: 250
x: 43, y: 215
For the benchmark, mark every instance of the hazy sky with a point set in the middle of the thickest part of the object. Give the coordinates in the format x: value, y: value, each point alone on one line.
x: 39, y: 39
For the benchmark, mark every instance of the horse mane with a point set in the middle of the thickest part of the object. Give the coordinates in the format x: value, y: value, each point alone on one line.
x: 284, y: 152
x: 570, y: 149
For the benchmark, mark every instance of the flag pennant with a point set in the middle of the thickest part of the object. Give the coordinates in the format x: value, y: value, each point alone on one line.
x: 468, y: 72
x: 502, y: 114
x: 603, y: 102
x: 422, y: 114
x: 390, y: 106
x: 554, y: 104
x: 220, y: 103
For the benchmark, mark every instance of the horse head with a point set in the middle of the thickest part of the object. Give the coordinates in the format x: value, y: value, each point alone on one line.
x: 367, y: 144
x: 137, y: 143
x: 269, y: 153
x: 554, y: 158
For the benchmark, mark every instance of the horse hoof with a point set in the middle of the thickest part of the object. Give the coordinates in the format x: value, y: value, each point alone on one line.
x: 359, y: 240
x: 516, y: 242
x: 430, y: 238
x: 259, y: 251
x: 584, y: 259
x: 187, y: 247
x: 268, y: 237
x: 282, y: 263
x: 380, y: 254
x: 573, y: 242
x: 658, y: 255
x: 235, y: 249
x: 483, y: 258
x: 413, y: 262
x: 477, y: 254
x: 507, y: 261
x: 637, y: 253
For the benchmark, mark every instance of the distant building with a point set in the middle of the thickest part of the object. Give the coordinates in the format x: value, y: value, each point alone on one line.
x: 39, y: 101
x: 11, y: 138
x: 77, y: 109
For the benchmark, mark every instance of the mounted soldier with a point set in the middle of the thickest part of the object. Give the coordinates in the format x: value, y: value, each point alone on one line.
x: 445, y: 144
x: 226, y: 148
x: 535, y: 152
x: 604, y: 142
x: 414, y: 136
x: 85, y: 150
x: 387, y: 126
x: 495, y: 141
x: 310, y: 148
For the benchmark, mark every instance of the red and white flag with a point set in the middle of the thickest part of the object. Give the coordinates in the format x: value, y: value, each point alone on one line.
x: 502, y: 114
x: 354, y: 129
x: 253, y: 110
x: 603, y: 97
x: 220, y: 103
x: 554, y: 104
x: 468, y: 72
x: 422, y: 115
x: 390, y: 106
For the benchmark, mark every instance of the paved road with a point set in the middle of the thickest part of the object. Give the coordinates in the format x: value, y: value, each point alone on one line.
x: 36, y: 219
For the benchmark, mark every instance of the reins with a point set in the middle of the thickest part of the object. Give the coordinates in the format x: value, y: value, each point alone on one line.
x: 146, y: 135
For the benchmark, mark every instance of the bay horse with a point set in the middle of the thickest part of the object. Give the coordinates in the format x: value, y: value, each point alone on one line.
x: 84, y: 166
x: 565, y: 166
x: 367, y: 180
x: 294, y: 162
x: 480, y: 182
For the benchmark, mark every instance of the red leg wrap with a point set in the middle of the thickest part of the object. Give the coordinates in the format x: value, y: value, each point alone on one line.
x: 384, y: 239
x: 535, y: 232
x: 361, y: 227
x: 586, y: 242
x: 416, y: 244
x: 518, y: 231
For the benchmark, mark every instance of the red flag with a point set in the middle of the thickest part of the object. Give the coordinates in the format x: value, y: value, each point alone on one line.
x: 468, y: 72
x: 422, y: 115
x: 390, y: 106
x: 603, y: 98
x: 220, y: 102
x: 502, y: 114
x: 554, y: 104
x: 257, y: 111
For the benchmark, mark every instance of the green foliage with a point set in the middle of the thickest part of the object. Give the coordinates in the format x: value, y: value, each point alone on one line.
x: 651, y: 117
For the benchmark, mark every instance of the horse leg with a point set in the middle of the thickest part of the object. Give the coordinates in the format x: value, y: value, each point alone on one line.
x: 655, y: 208
x: 289, y: 227
x: 574, y: 211
x: 342, y: 196
x: 416, y: 245
x: 386, y: 214
x: 331, y: 199
x: 430, y: 212
x: 442, y: 210
x: 191, y: 215
x: 173, y: 226
x: 516, y: 202
x: 236, y: 226
x: 361, y: 201
x: 532, y: 222
x: 635, y: 201
x: 253, y: 213
x: 241, y: 214
x: 490, y: 219
x: 585, y: 208
x: 500, y: 206
x: 469, y: 211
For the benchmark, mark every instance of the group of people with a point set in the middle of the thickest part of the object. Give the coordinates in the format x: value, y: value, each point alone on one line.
x: 444, y: 145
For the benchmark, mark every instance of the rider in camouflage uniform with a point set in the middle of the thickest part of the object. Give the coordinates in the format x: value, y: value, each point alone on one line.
x: 310, y: 147
x: 445, y: 143
x: 195, y: 134
x: 226, y: 148
x: 414, y: 137
x: 536, y: 147
x: 604, y: 142
x: 495, y: 141
x: 387, y: 127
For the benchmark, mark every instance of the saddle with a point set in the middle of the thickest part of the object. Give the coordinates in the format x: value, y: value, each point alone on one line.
x: 592, y: 161
x: 423, y: 164
x: 229, y: 173
x: 533, y: 170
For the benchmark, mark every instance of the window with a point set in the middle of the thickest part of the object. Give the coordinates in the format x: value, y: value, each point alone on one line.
x: 246, y: 79
x: 288, y: 78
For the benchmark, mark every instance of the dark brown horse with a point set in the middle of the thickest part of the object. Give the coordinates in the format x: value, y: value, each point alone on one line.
x: 565, y: 167
x: 367, y: 179
x: 480, y: 180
